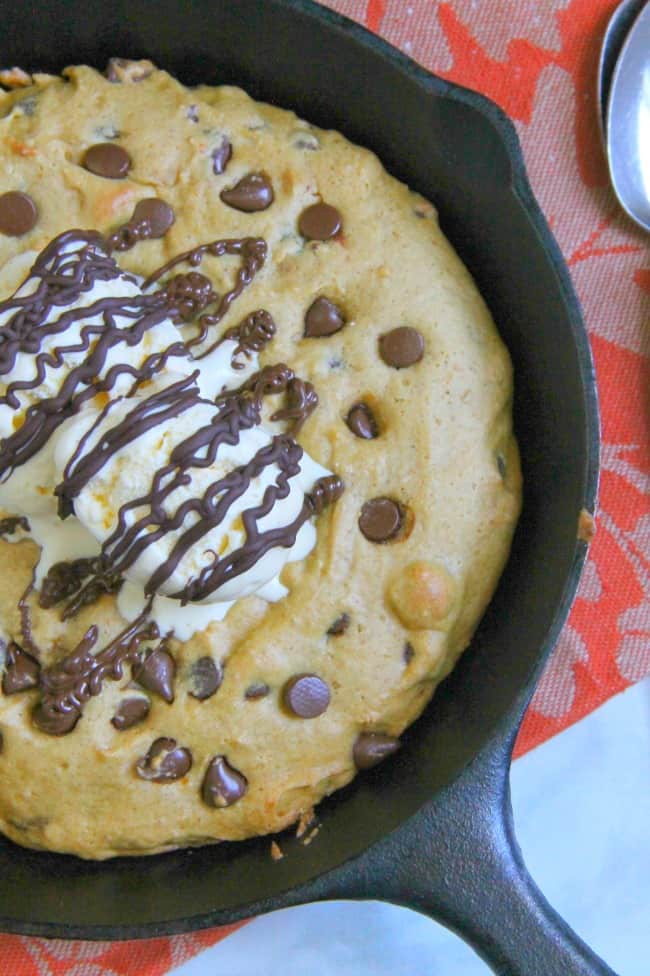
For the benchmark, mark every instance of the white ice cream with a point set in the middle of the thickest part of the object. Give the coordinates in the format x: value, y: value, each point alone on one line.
x: 29, y: 490
x: 129, y: 474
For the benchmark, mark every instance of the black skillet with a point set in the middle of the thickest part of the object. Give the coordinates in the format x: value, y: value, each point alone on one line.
x: 432, y: 827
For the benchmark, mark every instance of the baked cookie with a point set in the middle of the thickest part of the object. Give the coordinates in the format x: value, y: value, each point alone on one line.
x: 257, y: 472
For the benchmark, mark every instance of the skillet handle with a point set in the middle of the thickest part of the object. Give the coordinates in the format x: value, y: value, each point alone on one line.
x: 458, y: 861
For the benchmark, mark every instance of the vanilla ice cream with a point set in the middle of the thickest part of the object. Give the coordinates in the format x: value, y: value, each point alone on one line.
x: 101, y: 405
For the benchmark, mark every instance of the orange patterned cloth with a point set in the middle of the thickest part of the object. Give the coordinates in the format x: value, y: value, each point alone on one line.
x: 538, y: 61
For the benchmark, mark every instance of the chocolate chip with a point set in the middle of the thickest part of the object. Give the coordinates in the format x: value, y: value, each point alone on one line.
x: 319, y: 222
x: 339, y: 626
x: 371, y: 747
x: 205, y: 678
x: 259, y: 689
x: 253, y: 192
x: 54, y: 722
x: 306, y: 695
x: 380, y: 519
x: 156, y: 674
x: 323, y: 318
x: 192, y: 113
x: 408, y: 653
x: 130, y: 712
x: 501, y: 465
x: 221, y: 156
x: 361, y: 421
x: 222, y: 784
x: 164, y: 762
x: 401, y: 347
x: 22, y: 671
x: 107, y: 160
x: 158, y: 213
x: 18, y: 213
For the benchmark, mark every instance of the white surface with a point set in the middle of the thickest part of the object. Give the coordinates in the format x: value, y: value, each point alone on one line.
x: 582, y: 810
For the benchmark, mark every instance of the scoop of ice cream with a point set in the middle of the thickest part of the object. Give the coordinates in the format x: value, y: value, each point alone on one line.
x: 77, y: 331
x: 189, y: 499
x: 120, y: 446
x: 76, y: 328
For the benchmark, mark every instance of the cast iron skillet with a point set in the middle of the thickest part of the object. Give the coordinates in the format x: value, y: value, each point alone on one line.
x: 431, y: 828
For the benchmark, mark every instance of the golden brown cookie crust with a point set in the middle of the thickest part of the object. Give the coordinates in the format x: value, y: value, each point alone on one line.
x: 444, y: 422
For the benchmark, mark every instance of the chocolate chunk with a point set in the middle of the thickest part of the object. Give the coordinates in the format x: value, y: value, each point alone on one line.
x: 339, y: 626
x: 408, y: 653
x: 401, y: 347
x: 258, y: 689
x: 319, y: 222
x: 164, y: 762
x: 222, y: 784
x: 501, y: 465
x: 306, y: 695
x: 205, y: 678
x: 380, y: 519
x: 221, y: 156
x: 159, y: 215
x: 63, y: 580
x: 18, y: 213
x: 323, y: 318
x: 22, y: 671
x: 361, y: 421
x: 130, y: 712
x: 107, y: 160
x: 12, y: 523
x: 156, y: 674
x: 371, y: 747
x: 253, y: 192
x: 192, y: 113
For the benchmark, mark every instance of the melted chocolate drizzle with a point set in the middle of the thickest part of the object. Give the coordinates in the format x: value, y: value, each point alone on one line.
x: 69, y: 267
x: 129, y: 234
x: 69, y: 684
x: 252, y: 250
x: 135, y: 533
x: 302, y: 398
x: 252, y: 334
x: 62, y: 279
x: 28, y: 641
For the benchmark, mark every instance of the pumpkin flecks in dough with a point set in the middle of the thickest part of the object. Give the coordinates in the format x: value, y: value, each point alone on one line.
x: 428, y: 436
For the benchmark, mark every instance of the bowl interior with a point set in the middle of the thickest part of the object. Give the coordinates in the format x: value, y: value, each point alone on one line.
x: 454, y: 148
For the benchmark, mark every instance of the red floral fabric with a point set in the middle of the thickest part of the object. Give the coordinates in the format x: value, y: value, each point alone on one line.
x: 538, y: 61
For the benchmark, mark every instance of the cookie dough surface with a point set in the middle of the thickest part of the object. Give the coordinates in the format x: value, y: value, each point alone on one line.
x: 381, y: 623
